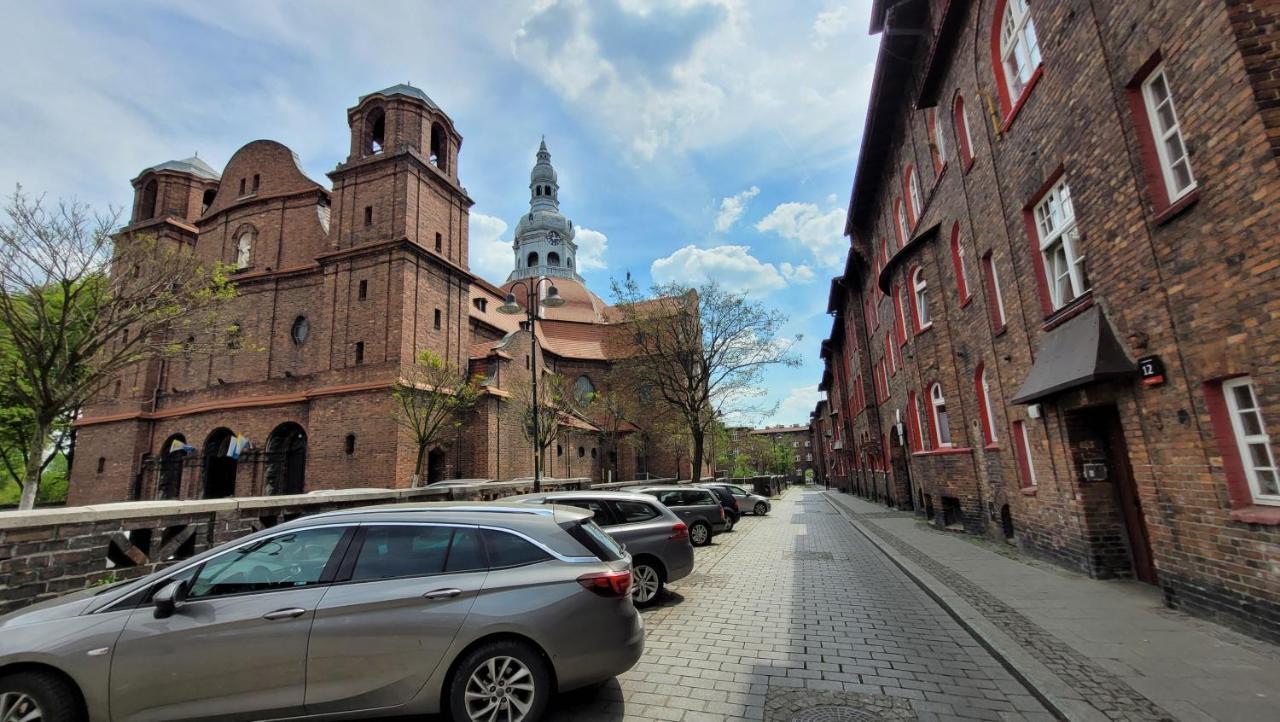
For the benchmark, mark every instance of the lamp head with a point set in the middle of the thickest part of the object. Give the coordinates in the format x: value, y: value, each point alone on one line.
x: 510, y: 307
x: 553, y: 299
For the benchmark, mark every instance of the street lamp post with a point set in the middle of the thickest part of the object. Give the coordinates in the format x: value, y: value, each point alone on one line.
x: 530, y: 310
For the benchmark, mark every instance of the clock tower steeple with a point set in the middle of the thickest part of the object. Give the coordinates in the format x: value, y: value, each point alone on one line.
x: 544, y: 239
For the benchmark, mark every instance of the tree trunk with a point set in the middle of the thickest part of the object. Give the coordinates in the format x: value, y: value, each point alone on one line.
x: 696, y: 473
x: 417, y: 466
x: 35, y: 462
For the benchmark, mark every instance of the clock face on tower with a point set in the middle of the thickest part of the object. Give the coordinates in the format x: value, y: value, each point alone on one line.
x: 554, y: 238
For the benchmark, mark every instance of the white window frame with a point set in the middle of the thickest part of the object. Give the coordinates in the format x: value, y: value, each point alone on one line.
x: 941, y: 422
x: 904, y: 233
x: 1019, y: 47
x: 1245, y: 442
x: 995, y: 285
x: 990, y: 410
x: 1060, y: 252
x: 920, y: 298
x: 968, y: 134
x: 917, y: 203
x: 939, y: 140
x: 1026, y: 450
x: 1165, y: 136
x: 964, y: 267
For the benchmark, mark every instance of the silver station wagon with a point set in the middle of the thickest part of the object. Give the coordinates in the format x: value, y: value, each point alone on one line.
x: 479, y: 610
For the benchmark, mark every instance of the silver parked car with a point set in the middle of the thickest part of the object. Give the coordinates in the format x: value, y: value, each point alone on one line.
x: 656, y: 539
x: 699, y: 508
x: 480, y: 610
x: 748, y: 502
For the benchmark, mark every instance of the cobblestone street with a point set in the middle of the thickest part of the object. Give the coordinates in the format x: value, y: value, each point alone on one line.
x: 798, y: 609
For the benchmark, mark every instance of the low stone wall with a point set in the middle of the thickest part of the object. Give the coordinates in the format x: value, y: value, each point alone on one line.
x: 47, y: 552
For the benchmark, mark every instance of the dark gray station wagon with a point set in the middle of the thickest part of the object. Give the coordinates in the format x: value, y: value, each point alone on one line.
x: 480, y: 610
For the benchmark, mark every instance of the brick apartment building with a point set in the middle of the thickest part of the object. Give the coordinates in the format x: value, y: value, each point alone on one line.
x: 798, y: 439
x: 1059, y: 322
x: 341, y: 288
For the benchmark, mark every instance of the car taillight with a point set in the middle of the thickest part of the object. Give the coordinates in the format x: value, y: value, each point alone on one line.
x: 722, y: 513
x: 734, y: 499
x: 679, y: 532
x: 608, y: 584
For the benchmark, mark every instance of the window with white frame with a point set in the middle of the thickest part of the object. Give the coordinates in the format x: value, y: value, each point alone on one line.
x: 920, y: 288
x: 963, y: 136
x: 1023, y: 450
x: 939, y: 140
x: 1060, y: 246
x: 1256, y: 455
x: 913, y: 186
x: 1172, y: 151
x: 1019, y: 49
x: 997, y: 298
x: 904, y: 231
x: 941, y: 423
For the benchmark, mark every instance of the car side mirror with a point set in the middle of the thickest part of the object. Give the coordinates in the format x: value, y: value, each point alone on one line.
x: 169, y: 598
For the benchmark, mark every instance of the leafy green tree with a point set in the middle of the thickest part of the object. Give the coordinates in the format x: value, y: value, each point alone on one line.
x: 432, y: 396
x: 78, y: 306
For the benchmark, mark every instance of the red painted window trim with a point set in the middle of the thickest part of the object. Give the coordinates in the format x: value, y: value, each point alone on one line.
x: 897, y: 227
x: 1018, y: 432
x: 911, y: 296
x: 984, y: 412
x: 888, y: 352
x: 1033, y: 240
x: 962, y: 286
x: 1241, y: 497
x: 933, y: 417
x: 994, y: 299
x: 1009, y: 107
x: 1157, y: 192
x: 962, y: 131
x: 900, y: 322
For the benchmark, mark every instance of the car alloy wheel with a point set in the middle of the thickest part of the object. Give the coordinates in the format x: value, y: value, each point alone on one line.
x: 728, y: 523
x: 646, y: 584
x: 18, y: 707
x: 700, y: 534
x: 501, y: 690
x: 761, y: 509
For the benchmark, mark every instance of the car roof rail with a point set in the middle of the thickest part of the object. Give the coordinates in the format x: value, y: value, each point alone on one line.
x: 522, y: 509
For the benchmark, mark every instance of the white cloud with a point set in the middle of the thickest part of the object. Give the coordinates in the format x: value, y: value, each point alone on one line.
x: 490, y: 255
x: 731, y: 266
x: 821, y: 232
x: 672, y: 76
x: 796, y: 406
x: 829, y: 24
x: 591, y: 248
x: 796, y: 274
x: 732, y: 208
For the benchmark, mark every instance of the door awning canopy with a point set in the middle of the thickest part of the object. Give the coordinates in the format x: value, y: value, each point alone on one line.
x: 1081, y: 351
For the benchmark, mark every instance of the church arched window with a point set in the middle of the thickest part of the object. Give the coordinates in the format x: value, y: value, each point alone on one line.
x: 553, y: 259
x: 569, y: 262
x: 537, y: 191
x: 148, y: 209
x: 375, y: 131
x: 439, y: 148
x: 533, y: 260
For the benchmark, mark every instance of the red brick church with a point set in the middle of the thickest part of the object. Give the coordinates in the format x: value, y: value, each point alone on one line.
x: 339, y: 288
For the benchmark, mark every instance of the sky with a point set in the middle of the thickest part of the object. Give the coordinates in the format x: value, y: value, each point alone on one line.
x: 693, y: 139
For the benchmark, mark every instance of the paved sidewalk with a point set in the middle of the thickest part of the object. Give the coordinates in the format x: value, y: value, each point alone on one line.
x: 1095, y: 649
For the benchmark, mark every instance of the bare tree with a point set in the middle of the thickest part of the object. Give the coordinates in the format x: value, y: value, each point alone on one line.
x: 556, y: 404
x: 616, y: 409
x: 702, y: 351
x: 77, y: 307
x: 431, y: 396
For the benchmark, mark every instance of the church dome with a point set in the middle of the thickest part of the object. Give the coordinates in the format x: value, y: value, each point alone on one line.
x: 545, y: 220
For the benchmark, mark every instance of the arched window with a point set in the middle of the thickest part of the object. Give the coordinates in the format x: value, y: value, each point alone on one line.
x: 903, y: 230
x: 920, y: 309
x: 537, y: 190
x: 914, y: 431
x: 941, y: 429
x: 583, y: 389
x: 439, y: 147
x: 298, y: 332
x: 581, y: 452
x: 553, y: 259
x: 937, y: 140
x: 375, y: 124
x: 533, y: 260
x: 244, y: 249
x: 207, y: 201
x: 963, y: 138
x: 957, y: 261
x: 148, y: 207
x: 986, y: 411
x: 914, y: 202
x: 173, y: 453
x: 1017, y: 51
x: 900, y: 322
x: 569, y: 262
x: 286, y: 460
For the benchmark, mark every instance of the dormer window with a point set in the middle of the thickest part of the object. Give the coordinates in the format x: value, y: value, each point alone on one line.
x: 481, y: 304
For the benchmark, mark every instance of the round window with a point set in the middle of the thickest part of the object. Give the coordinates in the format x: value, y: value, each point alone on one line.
x: 300, y: 330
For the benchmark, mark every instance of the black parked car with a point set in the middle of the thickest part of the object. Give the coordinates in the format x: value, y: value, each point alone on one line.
x: 730, y: 503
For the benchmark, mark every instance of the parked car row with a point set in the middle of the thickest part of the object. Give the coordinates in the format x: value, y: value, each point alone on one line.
x: 480, y: 610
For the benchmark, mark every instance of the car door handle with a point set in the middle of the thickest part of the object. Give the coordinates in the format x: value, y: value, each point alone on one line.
x: 437, y: 594
x: 289, y: 613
